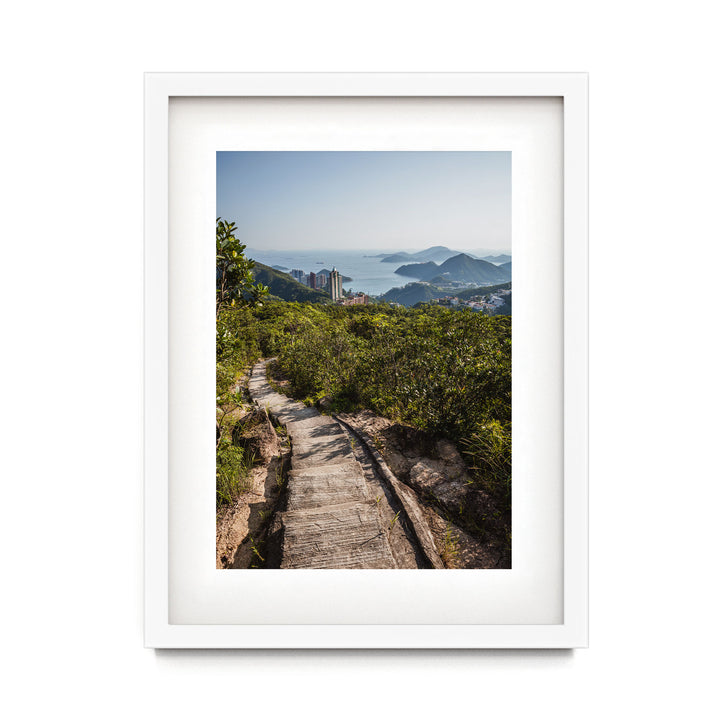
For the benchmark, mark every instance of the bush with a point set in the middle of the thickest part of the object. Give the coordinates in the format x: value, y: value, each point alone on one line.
x: 444, y: 371
x: 489, y: 450
x: 232, y: 471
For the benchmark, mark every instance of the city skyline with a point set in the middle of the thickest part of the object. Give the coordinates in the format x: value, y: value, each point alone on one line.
x: 377, y: 201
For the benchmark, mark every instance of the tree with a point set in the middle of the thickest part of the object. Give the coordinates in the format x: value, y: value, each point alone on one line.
x: 234, y: 279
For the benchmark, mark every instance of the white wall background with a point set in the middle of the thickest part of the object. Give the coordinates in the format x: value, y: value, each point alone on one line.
x: 70, y: 284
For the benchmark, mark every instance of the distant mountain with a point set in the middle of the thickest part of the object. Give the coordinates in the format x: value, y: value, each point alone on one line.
x: 421, y: 271
x: 460, y: 267
x: 280, y: 268
x: 467, y: 269
x: 497, y: 259
x: 411, y: 294
x: 485, y: 253
x: 286, y: 287
x: 395, y: 257
x: 327, y: 272
x: 437, y: 253
x: 507, y: 267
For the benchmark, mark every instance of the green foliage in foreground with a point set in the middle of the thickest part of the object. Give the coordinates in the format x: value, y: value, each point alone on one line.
x: 234, y: 282
x: 231, y: 471
x: 447, y: 372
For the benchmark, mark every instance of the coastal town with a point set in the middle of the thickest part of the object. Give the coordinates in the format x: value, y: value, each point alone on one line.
x: 488, y: 303
x: 494, y: 302
x: 331, y: 281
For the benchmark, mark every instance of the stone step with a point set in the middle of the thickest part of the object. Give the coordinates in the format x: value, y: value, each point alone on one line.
x: 333, y: 452
x: 347, y: 535
x: 314, y: 426
x: 320, y: 487
x: 339, y: 470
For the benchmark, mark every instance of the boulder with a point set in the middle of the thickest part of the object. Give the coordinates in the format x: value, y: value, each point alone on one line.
x: 256, y: 435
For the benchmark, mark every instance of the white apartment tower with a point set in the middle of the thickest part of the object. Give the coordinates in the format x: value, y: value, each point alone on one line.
x: 335, y: 285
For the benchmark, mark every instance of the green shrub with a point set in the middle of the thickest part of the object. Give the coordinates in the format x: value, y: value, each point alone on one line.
x: 232, y: 472
x: 489, y: 450
x: 444, y: 371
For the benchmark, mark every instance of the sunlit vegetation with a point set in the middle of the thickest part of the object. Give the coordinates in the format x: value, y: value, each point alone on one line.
x: 444, y: 371
x: 236, y: 290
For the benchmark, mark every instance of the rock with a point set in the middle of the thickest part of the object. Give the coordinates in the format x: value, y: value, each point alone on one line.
x: 448, y: 452
x: 427, y: 479
x: 256, y: 435
x: 399, y: 464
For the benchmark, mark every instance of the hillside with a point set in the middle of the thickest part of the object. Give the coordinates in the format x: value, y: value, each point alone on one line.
x: 286, y: 287
x: 467, y: 269
x: 460, y: 267
x: 412, y: 294
x: 422, y: 271
x: 486, y: 290
x: 506, y: 307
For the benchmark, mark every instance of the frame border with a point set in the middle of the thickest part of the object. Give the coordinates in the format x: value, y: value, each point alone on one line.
x: 573, y: 88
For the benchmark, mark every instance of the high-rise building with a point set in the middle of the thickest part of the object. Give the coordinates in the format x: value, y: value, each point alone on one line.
x: 312, y: 280
x: 335, y: 285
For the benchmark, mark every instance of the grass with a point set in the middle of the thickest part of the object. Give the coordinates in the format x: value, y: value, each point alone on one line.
x: 232, y: 472
x: 256, y: 551
x: 394, y: 520
x: 489, y: 453
x: 449, y: 547
x: 232, y: 463
x: 279, y: 478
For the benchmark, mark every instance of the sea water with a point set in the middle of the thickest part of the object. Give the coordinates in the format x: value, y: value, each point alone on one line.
x: 369, y: 274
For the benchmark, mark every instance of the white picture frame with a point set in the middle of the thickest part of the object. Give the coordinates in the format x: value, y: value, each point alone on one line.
x: 362, y: 630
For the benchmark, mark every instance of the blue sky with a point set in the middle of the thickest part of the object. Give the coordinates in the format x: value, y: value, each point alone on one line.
x: 383, y: 201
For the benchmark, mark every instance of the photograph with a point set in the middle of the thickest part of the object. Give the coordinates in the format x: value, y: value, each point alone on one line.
x: 363, y: 360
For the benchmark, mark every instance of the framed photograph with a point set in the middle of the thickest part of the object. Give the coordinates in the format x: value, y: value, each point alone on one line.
x: 366, y: 405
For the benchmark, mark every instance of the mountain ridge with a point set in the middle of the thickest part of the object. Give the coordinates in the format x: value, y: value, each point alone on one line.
x: 436, y: 253
x: 285, y: 286
x: 461, y: 267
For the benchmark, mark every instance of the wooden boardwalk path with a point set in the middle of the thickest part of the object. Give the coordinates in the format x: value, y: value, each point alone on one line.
x: 331, y: 519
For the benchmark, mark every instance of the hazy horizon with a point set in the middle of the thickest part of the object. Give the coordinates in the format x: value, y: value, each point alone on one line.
x: 375, y: 202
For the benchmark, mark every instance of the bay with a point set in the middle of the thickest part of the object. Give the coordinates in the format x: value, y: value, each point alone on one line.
x: 369, y: 274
